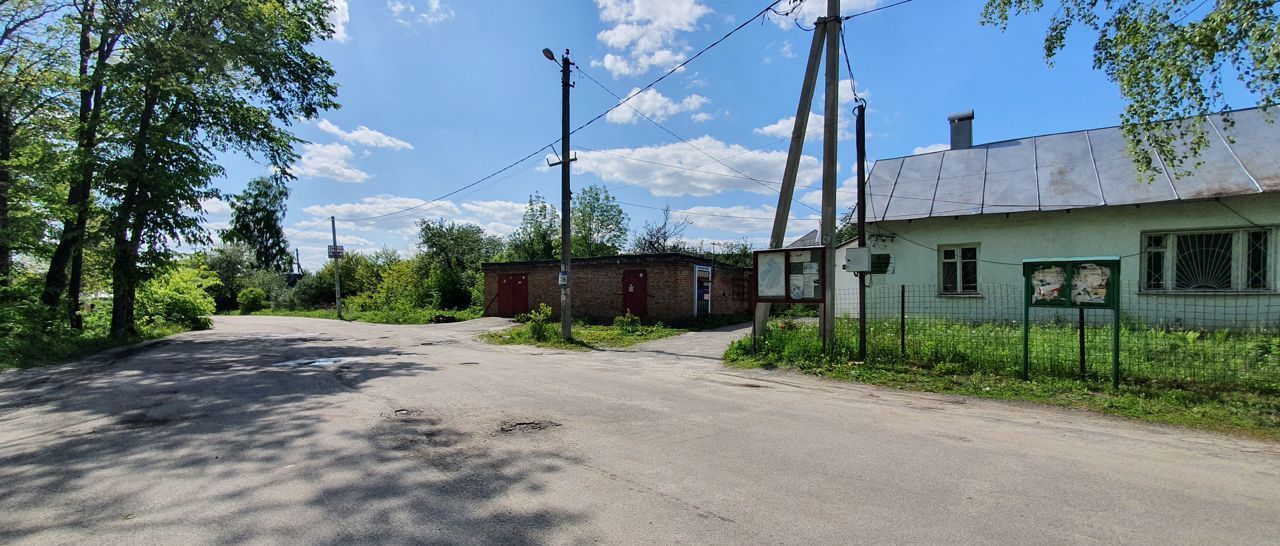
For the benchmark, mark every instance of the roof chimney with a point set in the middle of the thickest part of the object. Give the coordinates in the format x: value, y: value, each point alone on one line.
x: 961, y: 130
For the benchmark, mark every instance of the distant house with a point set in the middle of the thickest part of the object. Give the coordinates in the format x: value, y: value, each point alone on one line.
x: 667, y: 287
x: 1197, y: 250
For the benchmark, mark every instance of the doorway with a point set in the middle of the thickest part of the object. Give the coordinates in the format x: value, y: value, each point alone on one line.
x: 513, y: 294
x: 702, y: 291
x: 635, y: 292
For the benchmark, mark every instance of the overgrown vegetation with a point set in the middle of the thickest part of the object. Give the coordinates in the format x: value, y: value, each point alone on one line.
x: 985, y: 360
x: 538, y: 329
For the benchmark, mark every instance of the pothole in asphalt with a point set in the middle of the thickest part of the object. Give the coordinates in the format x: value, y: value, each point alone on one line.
x: 407, y: 412
x: 316, y: 362
x: 751, y: 386
x: 521, y: 427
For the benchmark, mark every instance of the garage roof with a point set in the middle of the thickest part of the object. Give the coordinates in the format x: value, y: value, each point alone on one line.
x: 1073, y: 170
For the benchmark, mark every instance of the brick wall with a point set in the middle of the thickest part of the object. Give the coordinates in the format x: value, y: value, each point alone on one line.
x: 597, y: 287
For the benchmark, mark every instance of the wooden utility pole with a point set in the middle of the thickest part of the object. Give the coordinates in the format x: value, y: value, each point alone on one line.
x: 792, y: 168
x: 337, y: 266
x: 566, y: 195
x: 831, y: 118
x: 861, y: 132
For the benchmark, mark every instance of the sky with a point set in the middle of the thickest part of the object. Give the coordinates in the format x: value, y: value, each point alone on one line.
x: 437, y: 94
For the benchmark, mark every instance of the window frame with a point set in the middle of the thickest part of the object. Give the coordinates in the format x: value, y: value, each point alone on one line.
x: 959, y: 262
x: 1240, y: 257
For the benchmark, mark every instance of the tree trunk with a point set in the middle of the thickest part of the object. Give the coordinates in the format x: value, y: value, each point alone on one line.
x: 6, y: 182
x: 70, y: 243
x: 128, y: 225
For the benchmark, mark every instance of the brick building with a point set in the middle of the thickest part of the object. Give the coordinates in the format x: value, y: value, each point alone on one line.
x: 654, y: 286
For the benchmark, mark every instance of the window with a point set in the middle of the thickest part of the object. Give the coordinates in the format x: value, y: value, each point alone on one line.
x: 1207, y: 261
x: 958, y: 269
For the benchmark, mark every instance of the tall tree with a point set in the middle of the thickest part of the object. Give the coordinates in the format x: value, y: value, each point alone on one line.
x: 538, y: 237
x: 100, y: 25
x: 455, y: 252
x: 664, y: 236
x: 599, y: 226
x: 257, y: 220
x: 1168, y: 57
x: 199, y: 78
x: 31, y: 55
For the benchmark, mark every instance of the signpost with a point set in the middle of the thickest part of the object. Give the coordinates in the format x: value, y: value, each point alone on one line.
x: 335, y: 252
x: 1079, y: 283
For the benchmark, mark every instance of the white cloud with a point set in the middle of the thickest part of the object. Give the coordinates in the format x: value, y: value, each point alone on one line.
x: 329, y: 161
x: 346, y: 240
x: 786, y: 50
x: 655, y: 105
x: 811, y: 10
x: 930, y: 149
x: 740, y: 219
x: 364, y: 136
x: 339, y: 17
x: 496, y: 217
x: 707, y: 177
x: 408, y: 12
x: 216, y: 207
x: 378, y: 205
x: 701, y: 117
x: 783, y: 128
x: 645, y: 31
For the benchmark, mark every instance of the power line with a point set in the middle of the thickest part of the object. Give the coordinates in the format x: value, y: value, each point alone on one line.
x: 691, y: 213
x: 655, y: 82
x: 873, y: 10
x: 304, y: 228
x: 685, y: 140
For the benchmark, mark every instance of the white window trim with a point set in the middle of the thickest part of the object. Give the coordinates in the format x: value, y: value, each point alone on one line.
x: 960, y: 291
x: 1239, y: 261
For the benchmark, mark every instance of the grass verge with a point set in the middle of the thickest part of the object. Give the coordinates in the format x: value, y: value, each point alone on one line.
x: 586, y: 337
x: 1250, y: 412
x: 396, y: 316
x: 33, y: 350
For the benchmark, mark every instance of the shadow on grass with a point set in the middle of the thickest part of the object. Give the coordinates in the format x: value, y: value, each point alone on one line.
x: 212, y: 439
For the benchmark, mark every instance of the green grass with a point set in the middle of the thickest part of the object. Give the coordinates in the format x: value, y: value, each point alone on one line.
x: 388, y: 316
x: 586, y: 337
x: 34, y: 347
x: 985, y: 361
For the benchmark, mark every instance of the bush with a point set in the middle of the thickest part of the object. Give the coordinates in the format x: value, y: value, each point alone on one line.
x: 538, y: 319
x: 251, y: 299
x: 628, y: 324
x: 179, y: 297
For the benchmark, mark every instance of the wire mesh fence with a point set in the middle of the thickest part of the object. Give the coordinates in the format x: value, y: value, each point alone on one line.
x: 1215, y: 340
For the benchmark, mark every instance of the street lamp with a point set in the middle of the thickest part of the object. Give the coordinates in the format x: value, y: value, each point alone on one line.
x: 566, y: 299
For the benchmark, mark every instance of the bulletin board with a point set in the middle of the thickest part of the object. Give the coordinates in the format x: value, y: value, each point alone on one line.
x: 1072, y: 282
x: 790, y: 275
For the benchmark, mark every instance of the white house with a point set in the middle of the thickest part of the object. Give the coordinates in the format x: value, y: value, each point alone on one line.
x: 1197, y: 250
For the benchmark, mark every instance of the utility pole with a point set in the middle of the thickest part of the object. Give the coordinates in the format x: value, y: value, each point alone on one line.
x: 566, y: 193
x: 794, y: 154
x: 861, y: 130
x: 831, y: 117
x: 297, y: 259
x: 337, y: 266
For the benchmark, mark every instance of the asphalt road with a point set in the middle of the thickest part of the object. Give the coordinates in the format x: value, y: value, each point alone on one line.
x: 419, y: 434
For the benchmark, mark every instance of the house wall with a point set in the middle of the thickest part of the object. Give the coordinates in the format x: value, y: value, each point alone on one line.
x: 1101, y: 231
x: 597, y: 288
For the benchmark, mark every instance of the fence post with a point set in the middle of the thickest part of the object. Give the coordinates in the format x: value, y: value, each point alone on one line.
x: 902, y: 320
x: 1083, y: 368
x: 1026, y: 342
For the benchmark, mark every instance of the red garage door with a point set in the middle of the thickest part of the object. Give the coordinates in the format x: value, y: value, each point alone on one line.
x: 635, y: 292
x: 513, y: 294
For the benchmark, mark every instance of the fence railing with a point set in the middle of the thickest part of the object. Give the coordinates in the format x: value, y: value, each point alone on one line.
x: 1214, y: 339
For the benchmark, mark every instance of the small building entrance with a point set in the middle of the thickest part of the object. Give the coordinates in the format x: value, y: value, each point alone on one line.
x: 702, y: 291
x: 635, y: 292
x: 513, y: 294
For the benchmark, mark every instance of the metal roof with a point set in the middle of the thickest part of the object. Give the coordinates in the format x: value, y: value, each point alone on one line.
x: 1081, y: 169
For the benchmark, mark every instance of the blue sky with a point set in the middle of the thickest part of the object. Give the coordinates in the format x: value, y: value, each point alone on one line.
x: 439, y: 93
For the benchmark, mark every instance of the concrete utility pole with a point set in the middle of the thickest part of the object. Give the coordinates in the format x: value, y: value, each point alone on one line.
x: 789, y: 173
x: 566, y: 194
x: 337, y: 267
x: 831, y: 118
x: 861, y: 131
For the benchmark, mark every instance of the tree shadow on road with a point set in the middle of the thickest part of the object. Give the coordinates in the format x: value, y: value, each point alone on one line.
x: 212, y: 440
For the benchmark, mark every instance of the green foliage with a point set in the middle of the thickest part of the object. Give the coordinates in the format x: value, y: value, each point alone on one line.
x: 455, y: 252
x: 257, y: 221
x: 179, y: 297
x: 628, y: 324
x: 230, y: 262
x: 1168, y: 59
x: 538, y: 237
x: 537, y: 322
x: 598, y: 224
x: 251, y: 299
x: 585, y: 336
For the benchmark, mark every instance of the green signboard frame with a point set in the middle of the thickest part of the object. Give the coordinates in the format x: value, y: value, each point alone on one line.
x: 1072, y: 283
x: 802, y: 273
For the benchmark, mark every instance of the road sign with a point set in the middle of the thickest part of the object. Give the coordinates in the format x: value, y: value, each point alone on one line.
x: 335, y: 251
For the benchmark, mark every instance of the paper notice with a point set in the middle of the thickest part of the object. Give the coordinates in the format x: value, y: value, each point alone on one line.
x: 1046, y: 284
